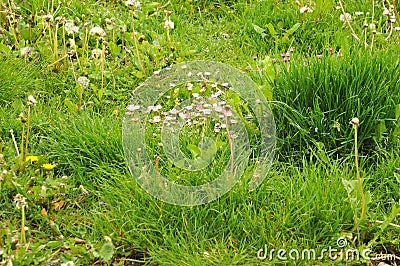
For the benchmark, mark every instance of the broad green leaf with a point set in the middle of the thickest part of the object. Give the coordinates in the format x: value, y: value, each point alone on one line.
x: 70, y: 105
x: 380, y: 130
x: 293, y: 29
x: 107, y: 251
x: 115, y: 50
x: 259, y: 30
x: 322, y: 153
x: 219, y: 144
x: 266, y: 90
x: 100, y: 94
x: 398, y: 112
x: 272, y: 30
x: 194, y: 150
x: 4, y: 48
x: 79, y: 89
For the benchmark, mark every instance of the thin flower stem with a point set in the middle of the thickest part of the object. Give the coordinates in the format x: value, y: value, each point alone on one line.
x: 230, y: 144
x: 77, y: 54
x: 22, y: 155
x: 59, y: 60
x: 353, y: 33
x: 56, y: 42
x: 23, y: 235
x: 14, y: 141
x: 360, y: 182
x: 373, y: 23
x: 27, y: 130
x: 136, y: 43
x: 395, y: 11
x: 103, y: 50
x: 391, y: 224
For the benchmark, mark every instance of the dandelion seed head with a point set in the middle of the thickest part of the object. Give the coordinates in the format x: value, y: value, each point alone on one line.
x: 133, y: 3
x: 98, y: 32
x: 96, y: 53
x: 20, y: 201
x: 355, y: 122
x: 344, y: 17
x: 31, y: 100
x: 169, y: 25
x: 83, y: 81
x: 27, y: 51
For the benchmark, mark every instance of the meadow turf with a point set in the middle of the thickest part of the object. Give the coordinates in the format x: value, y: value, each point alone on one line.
x: 80, y: 204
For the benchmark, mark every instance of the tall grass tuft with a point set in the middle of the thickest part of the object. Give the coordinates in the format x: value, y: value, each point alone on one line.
x: 317, y: 99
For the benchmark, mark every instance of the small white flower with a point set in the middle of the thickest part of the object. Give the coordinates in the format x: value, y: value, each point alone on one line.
x: 70, y: 27
x: 83, y: 81
x: 135, y: 3
x: 31, y: 100
x: 20, y: 201
x: 358, y: 13
x: 156, y: 119
x: 60, y: 20
x: 133, y: 107
x: 343, y: 18
x: 305, y: 9
x: 71, y: 43
x: 96, y: 53
x: 26, y: 51
x: 355, y: 122
x: 386, y: 12
x: 68, y: 263
x: 207, y: 111
x: 372, y: 26
x: 98, y: 32
x: 48, y: 17
x: 168, y: 24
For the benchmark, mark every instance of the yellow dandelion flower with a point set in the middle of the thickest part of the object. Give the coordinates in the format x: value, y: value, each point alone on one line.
x: 32, y: 158
x: 48, y: 166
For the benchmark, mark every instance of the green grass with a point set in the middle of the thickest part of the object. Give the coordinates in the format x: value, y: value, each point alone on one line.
x: 90, y: 209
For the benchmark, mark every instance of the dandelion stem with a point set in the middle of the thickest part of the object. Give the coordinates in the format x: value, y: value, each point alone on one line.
x: 230, y: 144
x: 374, y: 30
x: 59, y: 60
x: 23, y: 236
x: 360, y: 182
x: 353, y: 33
x: 56, y: 42
x: 22, y: 155
x: 102, y: 65
x: 395, y: 11
x: 14, y: 141
x: 136, y: 43
x: 27, y: 129
x: 76, y: 52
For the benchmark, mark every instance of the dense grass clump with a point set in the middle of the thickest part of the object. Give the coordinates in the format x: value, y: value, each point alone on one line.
x: 316, y: 100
